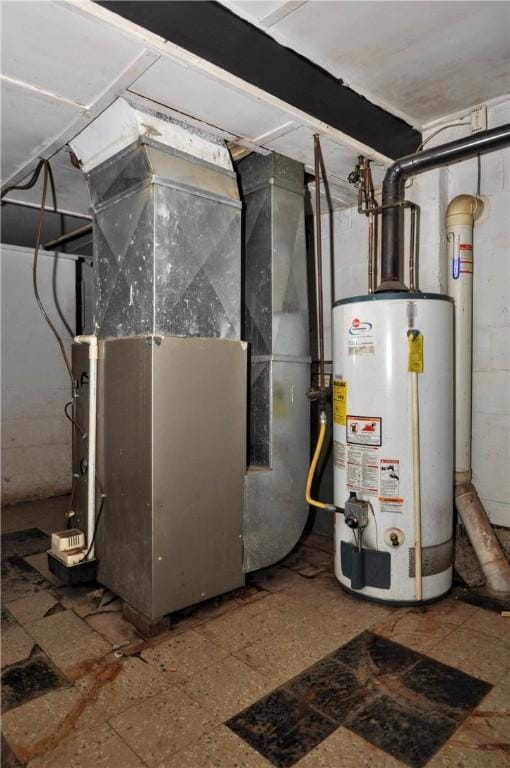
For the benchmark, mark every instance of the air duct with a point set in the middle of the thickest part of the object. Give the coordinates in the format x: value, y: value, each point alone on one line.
x: 276, y: 325
x: 393, y: 193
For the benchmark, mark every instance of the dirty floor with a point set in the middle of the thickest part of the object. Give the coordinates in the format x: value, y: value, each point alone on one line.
x: 289, y: 671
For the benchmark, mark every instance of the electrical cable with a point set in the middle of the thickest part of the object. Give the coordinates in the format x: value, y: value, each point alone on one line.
x: 375, y: 523
x: 30, y: 183
x: 96, y: 526
x: 45, y: 165
x: 48, y: 176
x: 478, y: 175
x: 73, y: 421
x: 435, y: 133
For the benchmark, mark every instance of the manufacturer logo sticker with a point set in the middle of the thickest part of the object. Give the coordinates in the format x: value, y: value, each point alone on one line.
x: 360, y: 327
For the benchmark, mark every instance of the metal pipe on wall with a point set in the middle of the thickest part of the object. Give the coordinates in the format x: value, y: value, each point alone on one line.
x: 318, y: 246
x: 393, y: 192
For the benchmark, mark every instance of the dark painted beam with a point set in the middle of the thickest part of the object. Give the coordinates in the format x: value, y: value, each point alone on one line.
x: 214, y: 33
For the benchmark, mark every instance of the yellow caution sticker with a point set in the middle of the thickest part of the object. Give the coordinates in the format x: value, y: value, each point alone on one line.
x: 339, y: 402
x: 415, y: 351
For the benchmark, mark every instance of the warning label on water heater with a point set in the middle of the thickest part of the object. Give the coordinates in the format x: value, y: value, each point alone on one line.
x: 339, y: 401
x: 362, y: 466
x: 364, y: 430
x: 389, y: 486
x: 339, y: 455
x: 389, y: 482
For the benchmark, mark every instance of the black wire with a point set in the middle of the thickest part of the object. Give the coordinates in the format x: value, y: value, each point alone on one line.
x: 96, y: 526
x: 48, y: 175
x: 72, y: 420
x: 45, y: 165
x: 30, y: 183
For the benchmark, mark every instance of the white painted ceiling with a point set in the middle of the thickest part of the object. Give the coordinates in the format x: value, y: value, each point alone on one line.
x: 420, y: 60
x: 64, y: 62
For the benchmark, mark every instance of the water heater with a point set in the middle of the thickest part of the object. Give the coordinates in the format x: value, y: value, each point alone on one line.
x: 393, y: 384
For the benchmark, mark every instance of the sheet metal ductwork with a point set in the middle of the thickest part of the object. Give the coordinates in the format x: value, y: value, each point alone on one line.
x: 184, y: 519
x: 276, y: 326
x: 166, y: 243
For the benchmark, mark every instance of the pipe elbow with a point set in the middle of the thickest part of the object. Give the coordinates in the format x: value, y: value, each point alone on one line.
x: 464, y: 209
x: 395, y: 174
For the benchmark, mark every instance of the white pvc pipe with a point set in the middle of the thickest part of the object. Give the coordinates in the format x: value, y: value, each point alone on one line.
x: 462, y: 212
x: 460, y: 218
x: 91, y: 459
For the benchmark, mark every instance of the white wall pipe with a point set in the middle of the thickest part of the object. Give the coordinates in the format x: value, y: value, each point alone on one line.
x: 461, y: 215
x: 91, y: 459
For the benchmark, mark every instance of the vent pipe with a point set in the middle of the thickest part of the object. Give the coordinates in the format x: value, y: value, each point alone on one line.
x: 461, y: 215
x: 393, y: 193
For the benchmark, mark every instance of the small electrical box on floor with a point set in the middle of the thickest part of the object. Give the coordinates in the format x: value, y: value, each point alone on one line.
x: 66, y: 558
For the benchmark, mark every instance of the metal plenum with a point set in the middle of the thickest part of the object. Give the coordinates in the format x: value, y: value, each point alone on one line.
x: 167, y: 245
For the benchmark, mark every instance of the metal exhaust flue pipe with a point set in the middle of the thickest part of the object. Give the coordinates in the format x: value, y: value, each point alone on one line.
x: 393, y: 194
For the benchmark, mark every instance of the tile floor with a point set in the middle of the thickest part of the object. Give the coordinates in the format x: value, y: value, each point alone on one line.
x: 289, y: 671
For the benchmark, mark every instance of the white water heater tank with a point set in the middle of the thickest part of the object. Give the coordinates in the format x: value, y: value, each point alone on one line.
x: 378, y: 341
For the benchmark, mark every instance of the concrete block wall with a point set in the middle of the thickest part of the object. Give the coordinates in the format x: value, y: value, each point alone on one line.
x: 491, y: 352
x: 36, y: 436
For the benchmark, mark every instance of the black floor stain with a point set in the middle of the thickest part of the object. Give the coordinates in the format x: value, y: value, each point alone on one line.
x: 31, y: 541
x: 29, y: 679
x: 373, y: 654
x: 7, y: 619
x: 401, y: 701
x: 282, y: 728
x: 481, y: 598
x: 331, y: 687
x: 19, y: 579
x: 447, y: 687
x: 411, y: 734
x: 478, y: 596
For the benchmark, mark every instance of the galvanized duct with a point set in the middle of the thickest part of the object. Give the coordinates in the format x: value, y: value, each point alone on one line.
x: 276, y: 325
x: 167, y: 229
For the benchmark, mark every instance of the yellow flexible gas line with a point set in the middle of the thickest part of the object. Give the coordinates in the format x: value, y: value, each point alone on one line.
x: 313, y: 467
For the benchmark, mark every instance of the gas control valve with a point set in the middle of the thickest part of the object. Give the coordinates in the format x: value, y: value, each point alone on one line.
x: 356, y: 512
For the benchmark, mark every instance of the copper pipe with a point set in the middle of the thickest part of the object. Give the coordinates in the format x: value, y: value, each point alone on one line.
x: 370, y: 202
x: 371, y: 285
x: 376, y: 249
x: 318, y: 236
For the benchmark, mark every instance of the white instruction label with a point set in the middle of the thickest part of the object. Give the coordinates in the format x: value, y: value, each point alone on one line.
x: 364, y: 430
x: 362, y: 469
x: 361, y: 336
x: 339, y: 455
x: 389, y: 478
